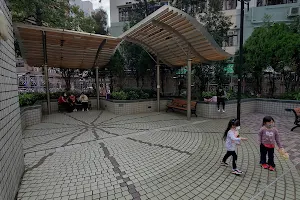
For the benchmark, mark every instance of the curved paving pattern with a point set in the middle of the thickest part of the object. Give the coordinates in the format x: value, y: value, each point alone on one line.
x: 99, y: 155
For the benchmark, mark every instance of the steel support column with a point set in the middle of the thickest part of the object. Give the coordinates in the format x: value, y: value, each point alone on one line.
x: 46, y: 75
x: 97, y: 88
x: 158, y: 84
x: 240, y: 61
x: 189, y: 88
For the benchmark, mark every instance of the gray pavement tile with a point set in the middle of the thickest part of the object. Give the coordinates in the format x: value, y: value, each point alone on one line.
x: 158, y: 155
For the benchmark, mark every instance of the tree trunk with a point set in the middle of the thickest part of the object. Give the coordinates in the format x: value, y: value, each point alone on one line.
x: 68, y: 83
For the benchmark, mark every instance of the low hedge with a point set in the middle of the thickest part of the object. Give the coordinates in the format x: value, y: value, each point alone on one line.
x: 133, y: 94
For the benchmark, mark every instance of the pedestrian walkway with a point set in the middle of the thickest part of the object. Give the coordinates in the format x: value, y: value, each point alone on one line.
x: 99, y: 155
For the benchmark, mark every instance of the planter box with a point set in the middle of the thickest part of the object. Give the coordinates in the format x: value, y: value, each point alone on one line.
x: 127, y: 107
x: 31, y: 115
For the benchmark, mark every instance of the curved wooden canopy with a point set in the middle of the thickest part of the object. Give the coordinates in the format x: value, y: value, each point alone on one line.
x: 170, y: 34
x: 64, y: 48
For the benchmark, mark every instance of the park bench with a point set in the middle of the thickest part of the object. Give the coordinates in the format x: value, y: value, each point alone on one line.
x: 296, y: 111
x: 180, y: 104
x: 78, y: 106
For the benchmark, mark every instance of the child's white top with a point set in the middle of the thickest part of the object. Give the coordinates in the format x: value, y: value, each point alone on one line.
x: 231, y: 141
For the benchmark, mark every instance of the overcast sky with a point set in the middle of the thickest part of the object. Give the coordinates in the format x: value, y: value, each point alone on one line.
x: 104, y: 4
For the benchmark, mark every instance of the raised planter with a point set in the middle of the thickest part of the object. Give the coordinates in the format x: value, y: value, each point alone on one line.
x: 31, y: 115
x: 127, y: 107
x: 257, y: 105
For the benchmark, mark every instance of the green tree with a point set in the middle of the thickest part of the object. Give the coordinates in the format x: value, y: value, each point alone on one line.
x: 215, y: 22
x: 218, y: 25
x: 271, y: 45
x: 116, y: 66
x: 101, y: 21
x: 52, y: 13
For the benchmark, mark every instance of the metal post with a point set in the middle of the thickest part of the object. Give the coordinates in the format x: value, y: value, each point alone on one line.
x: 46, y: 71
x: 189, y: 88
x: 47, y: 88
x: 158, y: 84
x: 240, y: 61
x: 97, y: 88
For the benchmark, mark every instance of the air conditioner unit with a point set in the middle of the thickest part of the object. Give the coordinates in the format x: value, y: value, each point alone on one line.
x: 294, y: 11
x: 231, y: 33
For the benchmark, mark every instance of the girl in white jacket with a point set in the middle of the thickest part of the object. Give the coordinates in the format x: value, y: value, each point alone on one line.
x: 231, y: 137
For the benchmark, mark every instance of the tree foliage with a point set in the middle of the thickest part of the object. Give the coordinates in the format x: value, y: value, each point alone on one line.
x: 100, y: 18
x: 215, y: 22
x: 274, y: 45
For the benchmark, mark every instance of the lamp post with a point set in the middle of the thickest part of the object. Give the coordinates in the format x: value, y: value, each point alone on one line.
x: 241, y: 57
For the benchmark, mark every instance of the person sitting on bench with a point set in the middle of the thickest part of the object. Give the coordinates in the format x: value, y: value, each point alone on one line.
x: 62, y: 101
x: 72, y: 101
x: 85, y: 101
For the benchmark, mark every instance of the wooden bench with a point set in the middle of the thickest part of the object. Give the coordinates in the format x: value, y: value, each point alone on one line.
x: 181, y: 104
x: 296, y: 111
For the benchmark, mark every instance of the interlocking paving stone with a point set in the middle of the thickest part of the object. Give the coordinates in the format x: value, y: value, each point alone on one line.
x: 99, y: 155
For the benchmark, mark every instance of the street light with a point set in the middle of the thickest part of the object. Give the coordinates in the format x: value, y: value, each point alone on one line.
x: 243, y: 2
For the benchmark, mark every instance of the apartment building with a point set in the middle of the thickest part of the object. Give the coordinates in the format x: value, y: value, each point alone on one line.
x: 255, y: 10
x: 85, y: 6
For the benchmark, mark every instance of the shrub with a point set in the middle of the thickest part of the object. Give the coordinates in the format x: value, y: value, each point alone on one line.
x: 132, y: 95
x: 119, y: 95
x: 144, y: 95
x: 208, y: 94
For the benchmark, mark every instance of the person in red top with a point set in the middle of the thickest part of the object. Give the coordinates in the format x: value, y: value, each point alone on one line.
x: 63, y: 102
x: 268, y: 136
x: 62, y: 99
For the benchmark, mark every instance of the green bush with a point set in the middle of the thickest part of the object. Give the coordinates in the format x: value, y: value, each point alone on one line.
x: 121, y: 95
x: 291, y: 96
x: 208, y: 94
x: 144, y: 95
x: 132, y: 95
x: 28, y: 99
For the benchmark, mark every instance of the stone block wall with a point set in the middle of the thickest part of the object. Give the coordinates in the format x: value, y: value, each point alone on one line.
x: 11, y: 150
x: 31, y: 115
x: 132, y: 107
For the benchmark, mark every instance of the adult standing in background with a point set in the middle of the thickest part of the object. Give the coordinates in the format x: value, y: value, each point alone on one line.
x: 221, y: 95
x: 85, y: 102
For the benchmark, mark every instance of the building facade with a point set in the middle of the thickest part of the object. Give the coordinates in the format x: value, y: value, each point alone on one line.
x: 85, y: 6
x: 11, y: 149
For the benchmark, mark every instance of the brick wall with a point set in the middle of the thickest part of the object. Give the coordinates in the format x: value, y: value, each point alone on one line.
x: 11, y: 150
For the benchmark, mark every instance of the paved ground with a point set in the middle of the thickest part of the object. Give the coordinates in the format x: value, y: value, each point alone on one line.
x: 99, y: 155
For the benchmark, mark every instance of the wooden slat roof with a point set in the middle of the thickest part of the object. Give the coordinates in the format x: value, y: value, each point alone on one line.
x: 169, y: 33
x: 65, y: 48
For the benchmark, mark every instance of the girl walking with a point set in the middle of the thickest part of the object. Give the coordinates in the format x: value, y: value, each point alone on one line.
x: 268, y: 136
x: 231, y: 137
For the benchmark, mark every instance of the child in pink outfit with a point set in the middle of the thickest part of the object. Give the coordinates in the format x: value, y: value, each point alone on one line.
x: 268, y: 136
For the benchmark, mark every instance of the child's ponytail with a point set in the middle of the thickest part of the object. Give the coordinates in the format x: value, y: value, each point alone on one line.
x: 232, y: 122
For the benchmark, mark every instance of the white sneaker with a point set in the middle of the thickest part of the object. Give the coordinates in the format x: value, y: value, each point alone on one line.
x: 223, y: 111
x: 218, y: 110
x: 87, y: 109
x: 75, y: 110
x: 237, y: 172
x: 82, y: 110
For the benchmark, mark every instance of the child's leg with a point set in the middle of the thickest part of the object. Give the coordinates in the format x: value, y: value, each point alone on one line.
x: 234, y: 159
x: 226, y: 156
x: 271, y: 157
x: 263, y: 154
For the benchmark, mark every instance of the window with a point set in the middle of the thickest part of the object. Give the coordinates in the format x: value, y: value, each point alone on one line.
x: 229, y: 4
x: 232, y: 39
x: 124, y: 14
x: 274, y: 2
